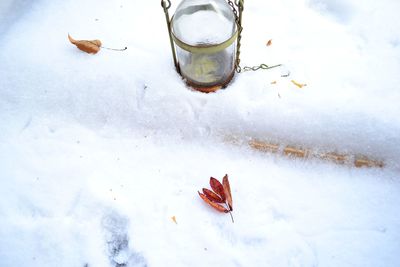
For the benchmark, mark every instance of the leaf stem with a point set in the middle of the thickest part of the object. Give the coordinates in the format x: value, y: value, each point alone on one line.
x: 115, y: 49
x: 108, y: 48
x: 230, y: 212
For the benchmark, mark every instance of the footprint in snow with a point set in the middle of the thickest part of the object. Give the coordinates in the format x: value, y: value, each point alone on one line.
x: 117, y: 241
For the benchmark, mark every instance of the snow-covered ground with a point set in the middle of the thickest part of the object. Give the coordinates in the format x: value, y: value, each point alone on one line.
x: 98, y: 152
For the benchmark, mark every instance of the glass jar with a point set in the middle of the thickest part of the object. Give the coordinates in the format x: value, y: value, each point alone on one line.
x: 204, y: 32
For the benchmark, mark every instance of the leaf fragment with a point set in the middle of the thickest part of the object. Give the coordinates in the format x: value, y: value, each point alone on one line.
x: 300, y: 85
x: 269, y: 42
x: 173, y: 218
x: 217, y: 188
x: 227, y: 191
x: 212, y: 196
x: 88, y: 46
x: 213, y: 204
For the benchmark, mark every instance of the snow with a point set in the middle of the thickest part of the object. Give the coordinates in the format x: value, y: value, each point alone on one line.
x: 205, y: 26
x: 98, y: 152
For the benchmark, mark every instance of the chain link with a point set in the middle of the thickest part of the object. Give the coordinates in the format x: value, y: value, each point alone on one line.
x: 261, y: 66
x: 233, y: 9
x: 164, y: 5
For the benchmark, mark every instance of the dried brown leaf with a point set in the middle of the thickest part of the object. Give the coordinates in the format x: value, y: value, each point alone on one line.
x: 269, y: 42
x: 213, y: 204
x: 217, y: 188
x: 227, y: 191
x: 173, y: 218
x: 88, y: 46
x: 212, y: 196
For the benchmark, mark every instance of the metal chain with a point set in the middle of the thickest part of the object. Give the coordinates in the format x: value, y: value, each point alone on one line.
x: 166, y: 4
x: 261, y: 66
x: 237, y: 8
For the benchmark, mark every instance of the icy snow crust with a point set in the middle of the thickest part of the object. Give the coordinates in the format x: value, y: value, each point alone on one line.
x: 97, y: 153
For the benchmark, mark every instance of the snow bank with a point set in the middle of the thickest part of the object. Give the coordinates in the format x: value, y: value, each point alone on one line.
x: 99, y: 152
x: 350, y: 103
x: 72, y: 196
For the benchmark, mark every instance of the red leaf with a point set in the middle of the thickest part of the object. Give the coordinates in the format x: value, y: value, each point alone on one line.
x: 213, y: 204
x: 212, y: 196
x: 217, y: 187
x: 227, y: 191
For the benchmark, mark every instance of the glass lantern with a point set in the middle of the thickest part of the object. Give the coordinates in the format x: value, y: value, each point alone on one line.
x: 203, y: 35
